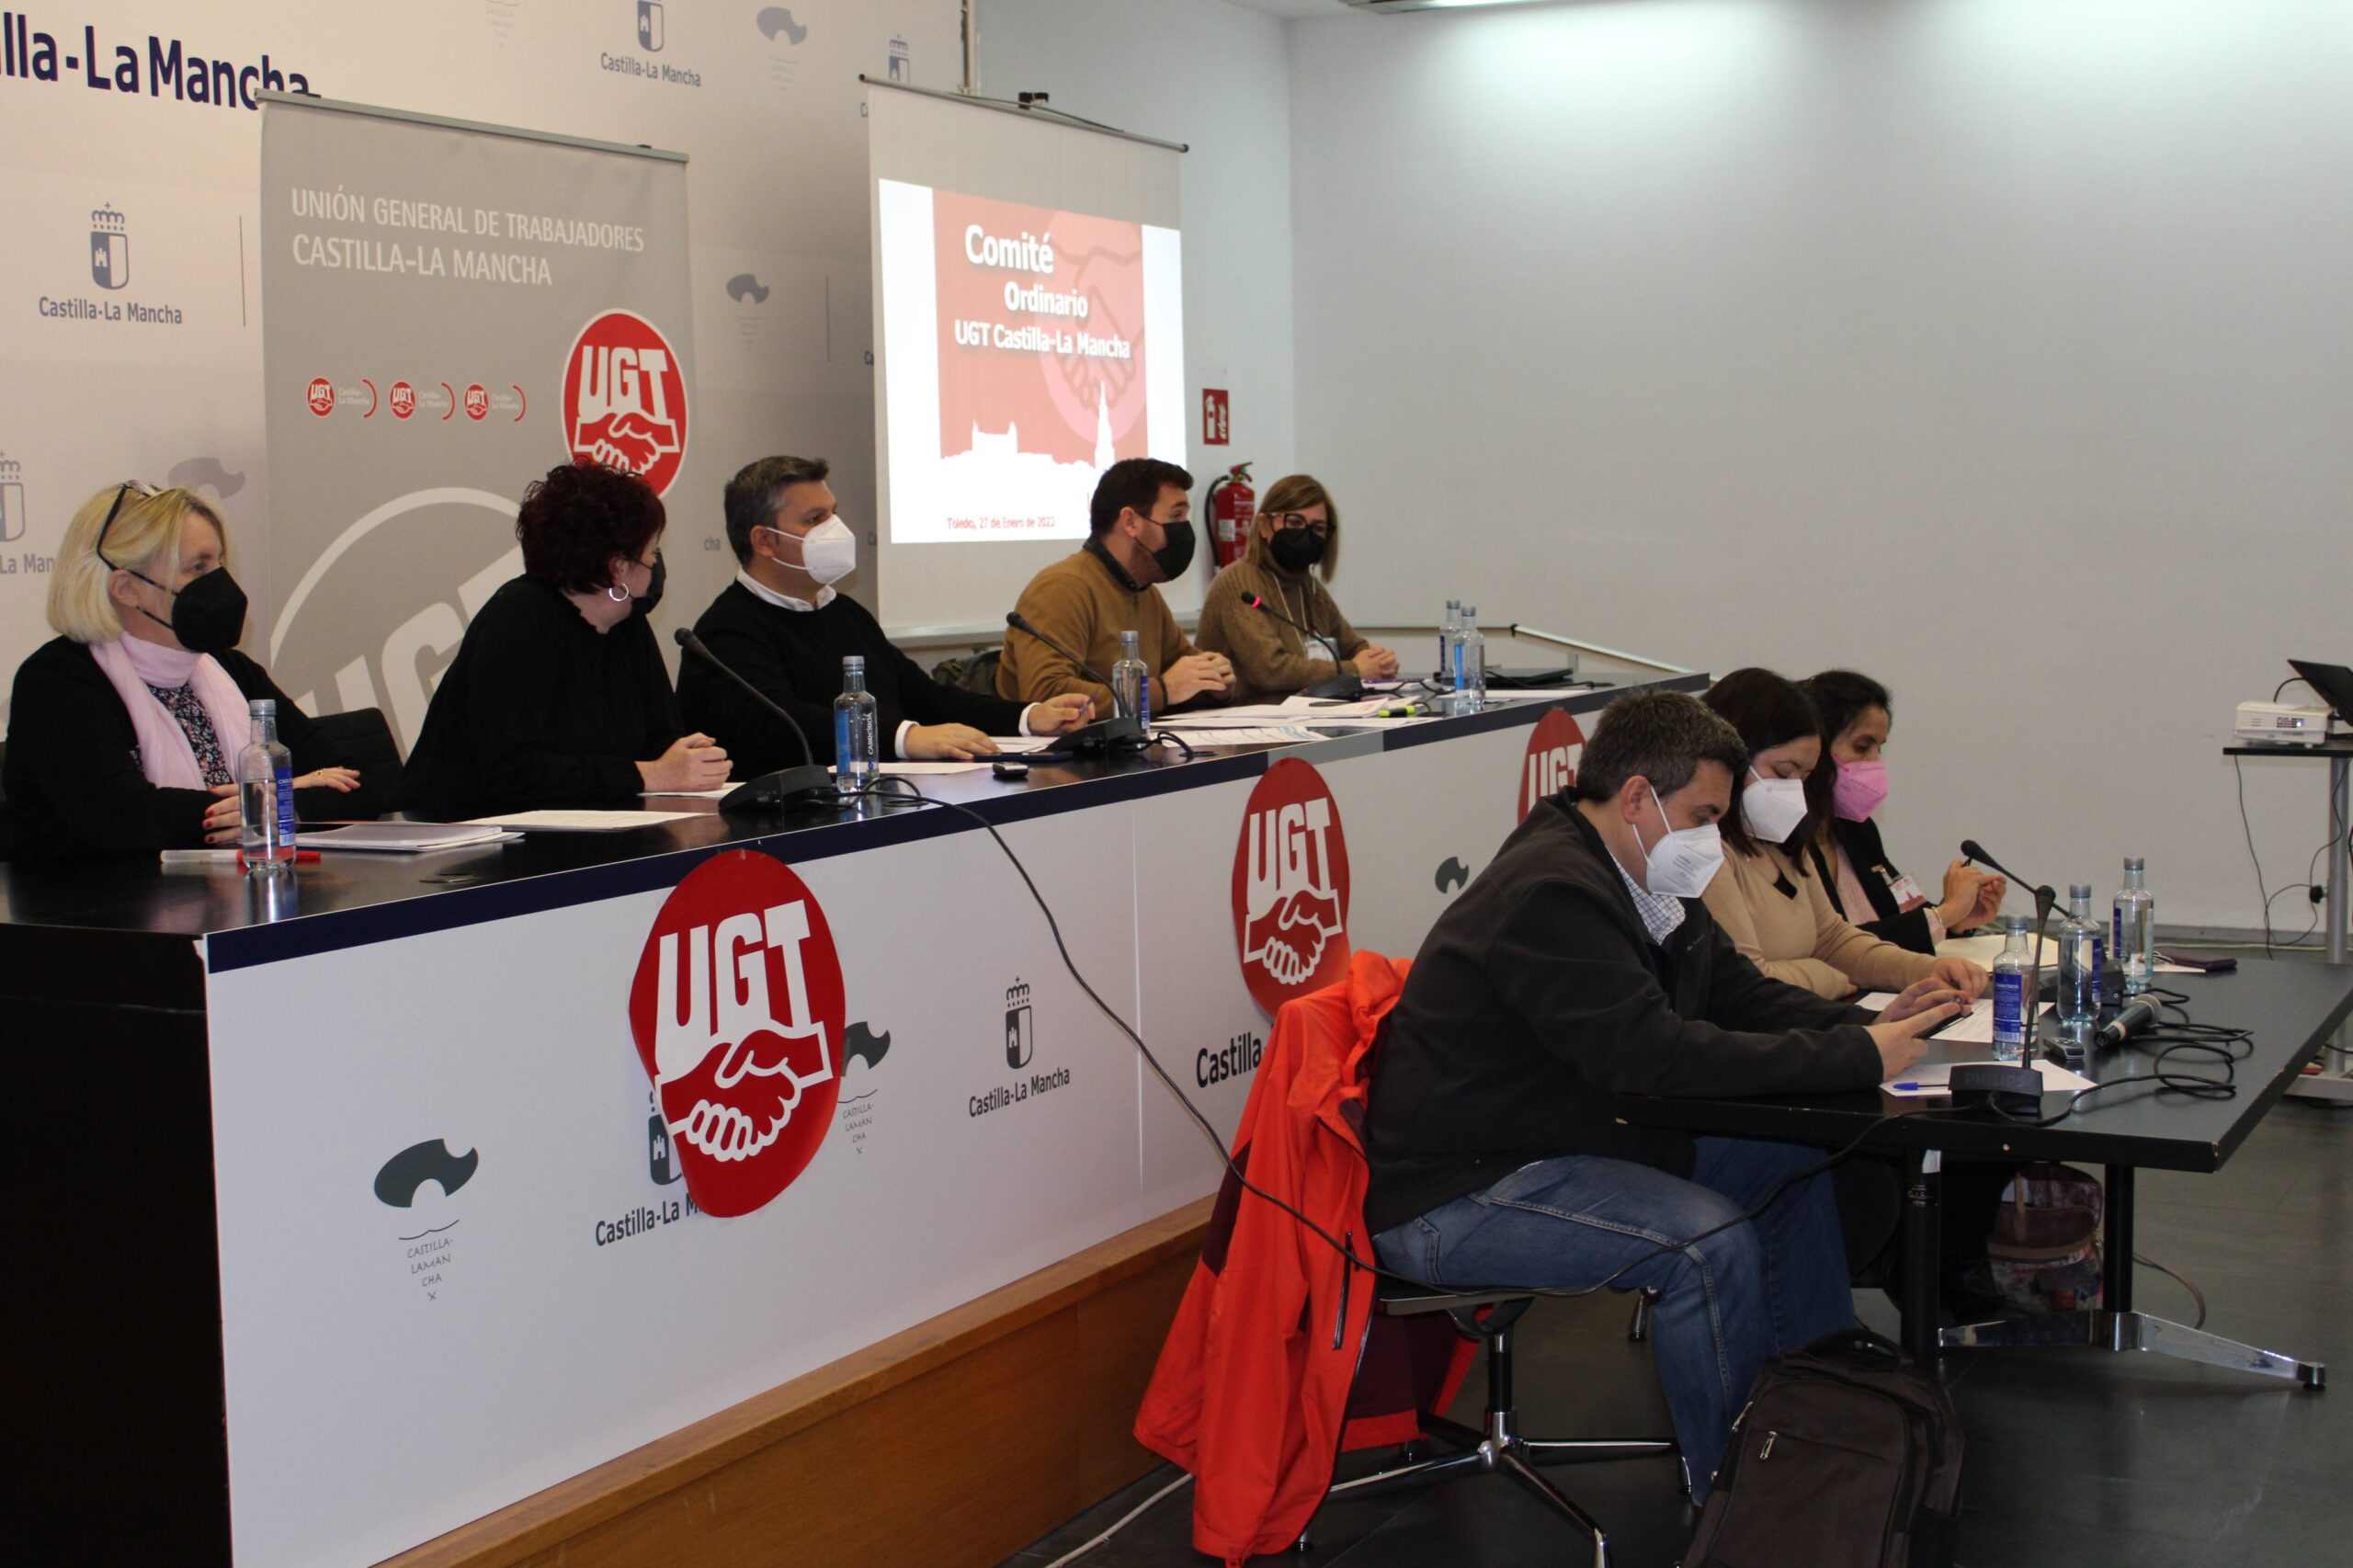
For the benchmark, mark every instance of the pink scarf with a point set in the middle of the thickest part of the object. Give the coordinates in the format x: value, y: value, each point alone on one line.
x: 133, y: 664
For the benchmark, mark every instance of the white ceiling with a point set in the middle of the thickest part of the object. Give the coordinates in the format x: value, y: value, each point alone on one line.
x: 1293, y: 10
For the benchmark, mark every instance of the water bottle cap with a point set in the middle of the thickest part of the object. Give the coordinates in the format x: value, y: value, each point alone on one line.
x: 2135, y: 863
x: 1127, y: 640
x: 2079, y: 890
x: 263, y: 708
x: 2015, y: 924
x: 853, y: 663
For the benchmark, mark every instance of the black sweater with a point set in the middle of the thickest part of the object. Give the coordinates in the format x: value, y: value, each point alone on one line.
x: 74, y: 786
x: 542, y: 709
x: 795, y: 656
x: 1538, y: 997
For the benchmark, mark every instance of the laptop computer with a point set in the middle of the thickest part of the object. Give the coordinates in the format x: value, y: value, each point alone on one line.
x: 2333, y: 682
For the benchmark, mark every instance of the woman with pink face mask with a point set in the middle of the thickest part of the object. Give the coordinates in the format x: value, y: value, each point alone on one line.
x: 1846, y: 851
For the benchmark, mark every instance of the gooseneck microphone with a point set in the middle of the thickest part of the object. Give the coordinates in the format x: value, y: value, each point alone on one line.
x: 1971, y: 849
x: 1344, y: 685
x: 1121, y: 731
x: 805, y: 786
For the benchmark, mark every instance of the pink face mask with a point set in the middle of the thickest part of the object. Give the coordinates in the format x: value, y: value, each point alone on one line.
x: 1861, y: 787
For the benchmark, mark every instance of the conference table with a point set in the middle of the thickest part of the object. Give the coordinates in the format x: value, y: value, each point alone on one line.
x: 349, y: 1217
x: 2290, y: 1009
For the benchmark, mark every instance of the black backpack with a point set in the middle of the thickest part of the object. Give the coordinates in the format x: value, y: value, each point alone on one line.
x: 1846, y: 1456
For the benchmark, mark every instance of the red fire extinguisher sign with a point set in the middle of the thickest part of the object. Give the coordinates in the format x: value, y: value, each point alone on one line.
x: 1216, y: 418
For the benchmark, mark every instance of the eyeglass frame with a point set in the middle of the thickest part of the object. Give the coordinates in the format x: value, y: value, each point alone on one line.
x: 1297, y: 522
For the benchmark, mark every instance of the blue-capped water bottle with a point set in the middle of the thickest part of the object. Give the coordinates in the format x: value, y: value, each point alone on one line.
x: 264, y: 793
x: 1131, y: 682
x: 857, y: 746
x: 2079, y: 955
x: 2011, y: 1000
x: 1449, y: 633
x: 2133, y: 944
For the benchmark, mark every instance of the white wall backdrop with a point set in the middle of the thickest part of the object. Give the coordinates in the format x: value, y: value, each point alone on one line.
x: 2001, y: 348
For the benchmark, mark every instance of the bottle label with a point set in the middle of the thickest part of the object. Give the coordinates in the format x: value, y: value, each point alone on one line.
x: 842, y: 761
x: 285, y: 777
x: 2009, y: 1007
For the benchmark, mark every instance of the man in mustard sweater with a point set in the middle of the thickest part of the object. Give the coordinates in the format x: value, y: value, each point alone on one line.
x: 1143, y: 522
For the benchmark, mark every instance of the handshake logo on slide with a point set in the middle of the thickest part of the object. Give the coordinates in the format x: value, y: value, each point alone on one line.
x: 1290, y: 886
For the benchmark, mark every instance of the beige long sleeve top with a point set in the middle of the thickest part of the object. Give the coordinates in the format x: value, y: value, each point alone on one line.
x: 1785, y: 925
x: 1270, y: 659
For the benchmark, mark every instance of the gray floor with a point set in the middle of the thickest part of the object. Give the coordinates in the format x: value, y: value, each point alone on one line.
x: 2074, y: 1457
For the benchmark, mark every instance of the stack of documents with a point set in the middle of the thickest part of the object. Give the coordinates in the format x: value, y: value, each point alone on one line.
x: 403, y: 837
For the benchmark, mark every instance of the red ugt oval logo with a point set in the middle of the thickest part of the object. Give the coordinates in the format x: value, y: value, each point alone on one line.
x: 737, y: 1010
x: 625, y: 399
x: 1554, y: 748
x: 1290, y: 886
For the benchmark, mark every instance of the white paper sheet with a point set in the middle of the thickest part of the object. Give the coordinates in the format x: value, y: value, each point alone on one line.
x: 924, y: 769
x: 1259, y: 735
x: 580, y: 822
x: 1936, y: 1080
x: 1972, y: 1027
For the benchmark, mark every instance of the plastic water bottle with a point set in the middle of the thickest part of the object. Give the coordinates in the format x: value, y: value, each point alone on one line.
x: 2133, y: 942
x: 1132, y: 681
x: 1471, y: 680
x: 2010, y: 1000
x: 2079, y: 955
x: 266, y: 794
x: 855, y: 746
x: 1449, y: 634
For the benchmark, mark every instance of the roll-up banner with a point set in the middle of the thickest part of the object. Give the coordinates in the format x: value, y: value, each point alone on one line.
x: 448, y: 310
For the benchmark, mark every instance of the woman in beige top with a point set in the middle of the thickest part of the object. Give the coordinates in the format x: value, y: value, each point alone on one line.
x: 1767, y: 898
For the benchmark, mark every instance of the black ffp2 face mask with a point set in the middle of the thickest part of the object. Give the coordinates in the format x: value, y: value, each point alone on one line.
x: 1176, y: 552
x: 208, y: 615
x: 654, y: 584
x: 1296, y: 550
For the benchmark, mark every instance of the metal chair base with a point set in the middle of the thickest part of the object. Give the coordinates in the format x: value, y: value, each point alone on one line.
x: 1499, y: 1449
x: 2100, y: 1330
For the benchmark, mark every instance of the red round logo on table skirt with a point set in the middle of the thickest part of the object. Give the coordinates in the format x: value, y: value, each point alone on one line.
x: 737, y: 1010
x: 1290, y: 886
x: 1554, y: 748
x: 625, y: 399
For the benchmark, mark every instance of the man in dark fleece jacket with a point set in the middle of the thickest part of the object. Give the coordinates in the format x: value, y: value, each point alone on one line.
x: 1580, y: 964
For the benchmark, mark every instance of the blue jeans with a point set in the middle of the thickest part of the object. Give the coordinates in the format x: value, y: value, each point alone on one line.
x: 1727, y: 1304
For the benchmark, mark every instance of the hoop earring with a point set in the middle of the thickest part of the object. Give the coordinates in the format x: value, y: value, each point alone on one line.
x: 616, y: 593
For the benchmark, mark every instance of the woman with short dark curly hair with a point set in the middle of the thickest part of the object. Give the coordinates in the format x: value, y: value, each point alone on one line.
x: 558, y: 695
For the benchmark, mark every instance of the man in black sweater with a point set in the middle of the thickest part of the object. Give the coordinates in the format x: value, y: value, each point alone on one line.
x: 785, y: 629
x: 1580, y: 964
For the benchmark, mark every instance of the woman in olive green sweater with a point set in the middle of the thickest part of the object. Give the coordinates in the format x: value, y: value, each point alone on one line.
x: 1295, y: 539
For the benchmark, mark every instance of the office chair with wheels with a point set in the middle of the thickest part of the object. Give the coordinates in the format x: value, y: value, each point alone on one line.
x: 1497, y: 1445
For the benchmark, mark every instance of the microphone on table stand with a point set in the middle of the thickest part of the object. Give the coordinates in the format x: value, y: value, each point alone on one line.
x: 807, y: 786
x: 1121, y: 731
x: 2044, y: 894
x: 2014, y: 1089
x: 1344, y: 685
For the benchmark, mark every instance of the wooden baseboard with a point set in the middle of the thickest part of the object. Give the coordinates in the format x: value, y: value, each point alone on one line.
x: 955, y: 1443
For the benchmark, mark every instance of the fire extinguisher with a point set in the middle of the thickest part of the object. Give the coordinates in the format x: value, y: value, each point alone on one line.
x: 1232, y: 504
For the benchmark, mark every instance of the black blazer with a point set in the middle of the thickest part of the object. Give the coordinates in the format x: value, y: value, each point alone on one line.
x: 1861, y: 840
x: 1538, y: 997
x: 70, y: 783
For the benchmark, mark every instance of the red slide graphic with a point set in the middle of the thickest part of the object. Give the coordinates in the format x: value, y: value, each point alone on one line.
x: 1041, y: 332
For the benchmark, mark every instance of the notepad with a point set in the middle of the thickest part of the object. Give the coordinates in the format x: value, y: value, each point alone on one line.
x: 580, y: 822
x: 402, y: 837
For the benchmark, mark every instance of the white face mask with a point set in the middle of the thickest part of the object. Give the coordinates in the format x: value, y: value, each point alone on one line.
x: 828, y: 552
x: 1683, y: 862
x: 1772, y: 808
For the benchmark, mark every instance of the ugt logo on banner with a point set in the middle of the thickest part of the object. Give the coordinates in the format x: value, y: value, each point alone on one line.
x: 1554, y: 748
x: 1290, y: 886
x: 625, y: 400
x: 738, y: 1013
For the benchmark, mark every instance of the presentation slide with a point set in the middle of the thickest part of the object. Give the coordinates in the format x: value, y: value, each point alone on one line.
x: 1025, y: 350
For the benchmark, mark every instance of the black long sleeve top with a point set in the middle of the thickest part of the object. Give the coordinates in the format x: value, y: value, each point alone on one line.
x: 540, y: 709
x: 1538, y: 997
x: 795, y: 656
x: 73, y: 779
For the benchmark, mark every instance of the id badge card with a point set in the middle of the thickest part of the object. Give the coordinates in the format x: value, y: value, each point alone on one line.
x: 1908, y: 896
